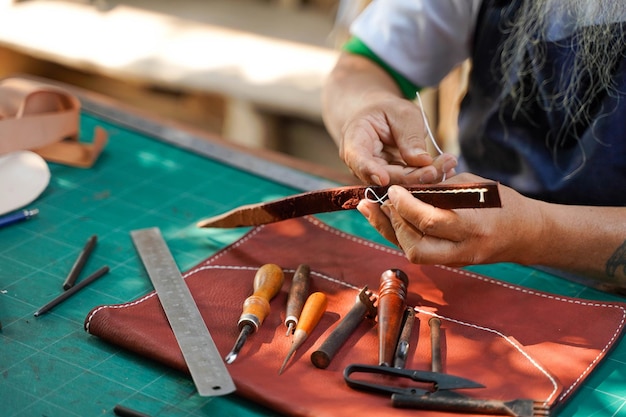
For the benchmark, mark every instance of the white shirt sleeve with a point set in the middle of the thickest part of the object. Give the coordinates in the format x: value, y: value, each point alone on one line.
x: 421, y: 39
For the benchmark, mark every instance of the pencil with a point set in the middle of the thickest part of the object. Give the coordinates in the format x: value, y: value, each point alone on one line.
x: 67, y: 294
x: 80, y: 263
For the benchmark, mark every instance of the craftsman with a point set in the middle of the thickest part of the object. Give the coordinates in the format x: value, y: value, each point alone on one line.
x: 544, y: 114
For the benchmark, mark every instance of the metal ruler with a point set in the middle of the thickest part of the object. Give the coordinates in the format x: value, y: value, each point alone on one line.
x: 204, y: 361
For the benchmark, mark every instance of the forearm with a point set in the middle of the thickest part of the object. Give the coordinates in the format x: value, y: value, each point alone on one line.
x: 586, y: 240
x: 353, y: 84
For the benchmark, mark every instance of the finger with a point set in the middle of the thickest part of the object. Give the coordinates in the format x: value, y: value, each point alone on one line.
x: 370, y: 170
x: 450, y: 174
x: 375, y: 216
x: 430, y: 220
x: 445, y: 165
x: 409, y: 133
x: 422, y: 248
x: 465, y: 178
x: 412, y: 147
x: 364, y: 154
x: 433, y: 251
x: 404, y: 230
x: 442, y: 168
x: 412, y: 175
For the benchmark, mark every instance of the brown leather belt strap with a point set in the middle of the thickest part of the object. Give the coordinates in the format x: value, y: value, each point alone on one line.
x: 447, y: 196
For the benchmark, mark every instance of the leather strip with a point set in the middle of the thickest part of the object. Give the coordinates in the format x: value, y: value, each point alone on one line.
x: 446, y: 196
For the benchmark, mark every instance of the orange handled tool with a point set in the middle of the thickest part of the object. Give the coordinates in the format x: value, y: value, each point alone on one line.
x: 312, y: 312
x: 267, y: 283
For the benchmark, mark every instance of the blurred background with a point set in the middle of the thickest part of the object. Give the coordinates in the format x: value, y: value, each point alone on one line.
x: 250, y: 71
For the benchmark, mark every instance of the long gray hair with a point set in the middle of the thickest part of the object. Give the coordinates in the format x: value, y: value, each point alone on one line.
x: 593, y: 28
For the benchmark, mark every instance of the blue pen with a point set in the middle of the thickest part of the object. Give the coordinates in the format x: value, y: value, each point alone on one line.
x: 17, y: 217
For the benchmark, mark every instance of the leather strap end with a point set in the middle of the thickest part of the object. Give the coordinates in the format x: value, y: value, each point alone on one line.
x: 75, y: 153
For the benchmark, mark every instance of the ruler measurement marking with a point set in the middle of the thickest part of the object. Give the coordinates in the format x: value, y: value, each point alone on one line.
x: 204, y: 361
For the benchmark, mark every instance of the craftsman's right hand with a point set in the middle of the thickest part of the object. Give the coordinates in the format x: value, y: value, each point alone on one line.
x: 381, y: 135
x: 385, y: 143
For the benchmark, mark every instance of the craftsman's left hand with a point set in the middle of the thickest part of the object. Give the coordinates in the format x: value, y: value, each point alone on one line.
x: 430, y: 235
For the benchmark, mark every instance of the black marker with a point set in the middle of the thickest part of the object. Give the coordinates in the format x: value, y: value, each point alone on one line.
x: 67, y: 294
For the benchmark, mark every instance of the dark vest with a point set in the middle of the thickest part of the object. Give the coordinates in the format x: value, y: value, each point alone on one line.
x: 519, y: 149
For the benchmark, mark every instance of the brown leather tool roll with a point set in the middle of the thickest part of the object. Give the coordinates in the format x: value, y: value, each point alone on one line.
x: 519, y: 343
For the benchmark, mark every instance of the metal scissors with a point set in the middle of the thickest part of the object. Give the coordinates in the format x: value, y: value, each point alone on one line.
x: 435, y: 392
x: 436, y: 381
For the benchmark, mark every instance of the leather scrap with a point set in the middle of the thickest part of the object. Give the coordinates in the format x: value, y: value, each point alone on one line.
x: 44, y: 118
x: 446, y: 196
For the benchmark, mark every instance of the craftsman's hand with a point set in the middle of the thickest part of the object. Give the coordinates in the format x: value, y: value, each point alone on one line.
x: 429, y: 235
x: 381, y: 135
x: 385, y: 143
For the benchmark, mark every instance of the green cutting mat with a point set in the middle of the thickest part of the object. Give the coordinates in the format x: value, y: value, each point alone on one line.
x: 50, y: 367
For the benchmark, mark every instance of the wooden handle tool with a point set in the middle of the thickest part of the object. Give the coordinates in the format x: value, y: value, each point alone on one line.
x: 297, y: 296
x: 391, y: 306
x: 312, y: 312
x: 267, y: 282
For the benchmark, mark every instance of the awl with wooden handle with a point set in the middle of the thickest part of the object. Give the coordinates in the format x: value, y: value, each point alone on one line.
x: 267, y: 283
x: 312, y: 312
x: 297, y: 296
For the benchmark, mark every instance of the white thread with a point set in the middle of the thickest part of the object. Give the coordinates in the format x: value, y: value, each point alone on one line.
x: 430, y: 133
x: 376, y: 198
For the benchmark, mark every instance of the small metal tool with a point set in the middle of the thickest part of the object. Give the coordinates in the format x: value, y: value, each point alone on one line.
x: 267, y: 283
x: 312, y: 312
x: 297, y: 296
x: 391, y: 306
x: 201, y: 355
x: 363, y: 308
x: 402, y: 349
x: 435, y: 344
x: 454, y: 402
